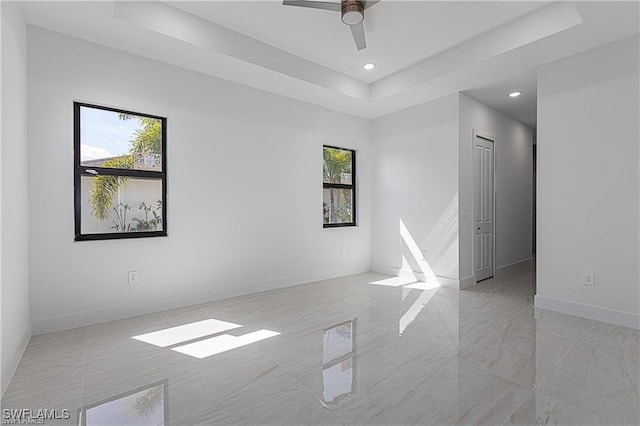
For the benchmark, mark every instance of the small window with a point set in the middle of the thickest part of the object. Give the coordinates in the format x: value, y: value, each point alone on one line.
x: 339, y: 187
x: 120, y: 173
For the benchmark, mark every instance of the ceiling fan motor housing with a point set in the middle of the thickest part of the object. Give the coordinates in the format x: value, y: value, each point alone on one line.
x: 352, y: 12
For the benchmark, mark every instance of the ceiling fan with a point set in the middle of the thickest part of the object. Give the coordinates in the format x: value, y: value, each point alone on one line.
x: 352, y: 12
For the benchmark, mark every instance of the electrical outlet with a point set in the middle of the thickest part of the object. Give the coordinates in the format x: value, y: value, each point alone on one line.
x: 133, y: 277
x: 589, y: 279
x: 342, y: 251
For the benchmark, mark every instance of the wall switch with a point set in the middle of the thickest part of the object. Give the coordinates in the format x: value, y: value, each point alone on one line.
x: 133, y: 277
x: 589, y: 279
x: 342, y: 251
x: 424, y: 254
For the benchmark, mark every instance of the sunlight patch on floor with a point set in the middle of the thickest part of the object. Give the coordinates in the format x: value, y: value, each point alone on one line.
x: 216, y: 345
x: 198, y: 330
x: 183, y: 333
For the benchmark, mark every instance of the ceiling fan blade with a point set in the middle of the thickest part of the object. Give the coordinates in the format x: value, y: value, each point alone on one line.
x: 325, y: 5
x: 369, y: 3
x: 358, y: 35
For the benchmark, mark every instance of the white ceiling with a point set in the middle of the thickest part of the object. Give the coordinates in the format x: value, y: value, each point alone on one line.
x: 427, y: 28
x: 423, y: 49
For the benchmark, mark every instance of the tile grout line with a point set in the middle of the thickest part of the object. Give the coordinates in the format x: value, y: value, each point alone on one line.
x: 84, y: 363
x: 535, y: 385
x: 558, y: 363
x: 305, y: 387
x: 555, y: 366
x: 532, y: 390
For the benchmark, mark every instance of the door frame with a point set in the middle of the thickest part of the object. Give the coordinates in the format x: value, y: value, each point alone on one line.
x: 492, y: 139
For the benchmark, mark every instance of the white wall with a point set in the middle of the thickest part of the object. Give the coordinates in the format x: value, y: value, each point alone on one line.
x: 16, y: 326
x: 423, y: 175
x: 244, y: 189
x: 513, y: 145
x: 416, y: 182
x: 588, y: 185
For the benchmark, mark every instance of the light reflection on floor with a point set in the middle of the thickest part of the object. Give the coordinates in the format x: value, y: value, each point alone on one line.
x: 146, y: 406
x: 338, y: 361
x: 342, y: 351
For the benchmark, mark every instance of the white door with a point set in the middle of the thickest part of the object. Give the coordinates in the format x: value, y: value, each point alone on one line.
x: 483, y: 207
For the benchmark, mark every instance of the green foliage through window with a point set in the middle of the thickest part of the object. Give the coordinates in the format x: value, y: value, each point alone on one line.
x: 147, y: 140
x: 120, y: 173
x: 338, y: 169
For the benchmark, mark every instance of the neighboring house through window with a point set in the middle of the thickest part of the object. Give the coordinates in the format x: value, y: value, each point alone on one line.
x: 120, y: 173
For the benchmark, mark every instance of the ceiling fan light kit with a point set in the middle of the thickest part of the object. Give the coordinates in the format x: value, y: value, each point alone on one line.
x: 351, y: 12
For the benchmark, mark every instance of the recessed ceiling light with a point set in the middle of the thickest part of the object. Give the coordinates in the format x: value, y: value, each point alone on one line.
x: 515, y: 94
x: 369, y: 66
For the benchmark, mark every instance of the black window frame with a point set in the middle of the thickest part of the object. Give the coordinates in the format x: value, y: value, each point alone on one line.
x: 352, y: 187
x: 80, y: 170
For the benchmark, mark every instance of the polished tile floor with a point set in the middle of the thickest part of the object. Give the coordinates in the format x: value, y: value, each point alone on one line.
x: 362, y: 349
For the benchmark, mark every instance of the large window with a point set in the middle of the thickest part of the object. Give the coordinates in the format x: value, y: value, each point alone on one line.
x: 339, y: 187
x: 120, y: 173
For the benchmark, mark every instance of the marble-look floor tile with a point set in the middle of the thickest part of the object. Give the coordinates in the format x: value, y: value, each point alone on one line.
x: 376, y: 387
x: 290, y: 319
x: 475, y: 301
x: 513, y: 299
x: 459, y: 394
x: 377, y: 371
x: 566, y: 326
x: 502, y: 313
x: 360, y: 349
x: 612, y: 336
x: 541, y: 409
x: 600, y: 380
x: 59, y: 343
x: 274, y: 397
x: 478, y: 348
x: 526, y: 360
x: 448, y: 332
x: 49, y: 375
x: 417, y: 308
x: 311, y: 346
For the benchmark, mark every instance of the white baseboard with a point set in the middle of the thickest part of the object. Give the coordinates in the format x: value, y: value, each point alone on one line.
x: 397, y: 272
x: 387, y: 270
x: 467, y: 282
x: 511, y: 266
x: 110, y: 313
x: 10, y: 365
x: 587, y: 311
